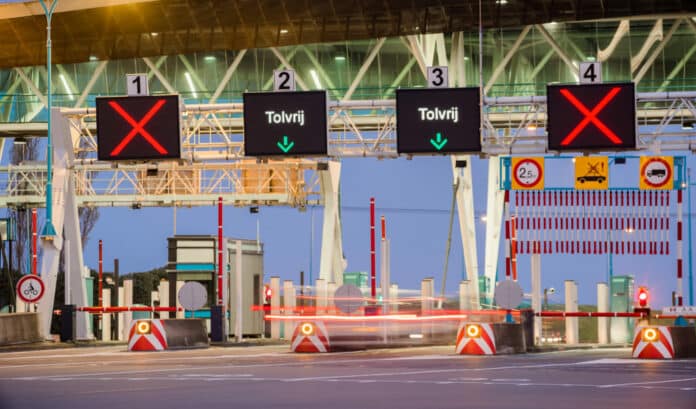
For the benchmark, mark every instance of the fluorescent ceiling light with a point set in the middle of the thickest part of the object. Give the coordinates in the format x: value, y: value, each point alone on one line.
x: 315, y: 78
x: 340, y: 58
x: 190, y: 84
x: 67, y: 88
x: 283, y: 31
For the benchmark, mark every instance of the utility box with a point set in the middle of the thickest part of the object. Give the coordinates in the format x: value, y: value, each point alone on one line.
x: 484, y: 284
x: 621, y: 300
x: 358, y: 279
x: 252, y: 286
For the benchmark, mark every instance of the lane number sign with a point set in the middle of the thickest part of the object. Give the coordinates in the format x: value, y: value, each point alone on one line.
x: 136, y: 85
x: 590, y: 72
x: 656, y: 172
x: 30, y: 288
x: 438, y: 77
x: 283, y: 80
x: 527, y: 173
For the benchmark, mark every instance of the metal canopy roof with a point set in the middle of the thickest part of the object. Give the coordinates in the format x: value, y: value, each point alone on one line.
x: 117, y: 29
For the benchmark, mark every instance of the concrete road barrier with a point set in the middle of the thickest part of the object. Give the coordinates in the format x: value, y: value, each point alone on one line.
x: 509, y: 338
x: 19, y: 328
x: 186, y: 333
x: 684, y: 339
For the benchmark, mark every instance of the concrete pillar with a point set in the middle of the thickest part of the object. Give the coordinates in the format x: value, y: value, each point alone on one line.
x: 179, y: 314
x: 602, y: 306
x: 321, y: 301
x: 164, y: 297
x: 128, y: 301
x: 571, y: 305
x: 21, y: 306
x: 106, y: 318
x: 330, y: 292
x: 154, y: 296
x: 275, y: 306
x: 289, y: 300
x: 536, y: 294
x: 394, y: 298
x: 464, y: 295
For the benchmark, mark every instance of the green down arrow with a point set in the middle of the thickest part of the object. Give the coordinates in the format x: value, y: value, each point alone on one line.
x: 438, y: 142
x: 286, y: 146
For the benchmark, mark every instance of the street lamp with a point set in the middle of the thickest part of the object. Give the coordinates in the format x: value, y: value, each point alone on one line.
x: 548, y: 291
x: 49, y: 232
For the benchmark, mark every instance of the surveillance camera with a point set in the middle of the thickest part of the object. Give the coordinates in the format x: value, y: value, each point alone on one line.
x: 552, y: 290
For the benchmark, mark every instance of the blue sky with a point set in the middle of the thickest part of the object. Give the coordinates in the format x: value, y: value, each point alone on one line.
x: 414, y: 195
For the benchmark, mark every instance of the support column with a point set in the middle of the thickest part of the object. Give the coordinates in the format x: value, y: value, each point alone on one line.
x: 571, y: 305
x: 275, y: 306
x: 330, y: 301
x: 602, y: 306
x: 289, y: 307
x: 394, y: 298
x: 106, y: 318
x: 384, y: 275
x: 164, y: 297
x: 494, y: 222
x: 536, y: 294
x: 461, y: 169
x: 64, y: 219
x: 331, y: 264
x: 427, y: 292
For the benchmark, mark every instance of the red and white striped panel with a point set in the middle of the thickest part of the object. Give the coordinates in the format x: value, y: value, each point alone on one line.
x: 310, y: 337
x: 475, y: 339
x: 155, y: 340
x: 653, y: 343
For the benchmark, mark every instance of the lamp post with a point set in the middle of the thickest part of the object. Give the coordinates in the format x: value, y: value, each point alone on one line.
x: 49, y: 231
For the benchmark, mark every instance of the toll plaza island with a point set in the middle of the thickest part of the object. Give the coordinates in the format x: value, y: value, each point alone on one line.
x: 436, y: 204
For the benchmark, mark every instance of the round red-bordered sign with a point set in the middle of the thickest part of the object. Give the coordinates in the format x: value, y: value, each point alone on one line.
x: 527, y: 173
x: 30, y: 288
x: 656, y: 172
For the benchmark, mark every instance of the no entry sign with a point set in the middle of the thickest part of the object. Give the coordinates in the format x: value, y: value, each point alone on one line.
x: 138, y: 128
x: 591, y: 117
x: 656, y: 172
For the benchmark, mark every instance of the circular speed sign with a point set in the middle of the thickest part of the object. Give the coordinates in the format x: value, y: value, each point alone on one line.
x: 527, y: 173
x: 30, y: 288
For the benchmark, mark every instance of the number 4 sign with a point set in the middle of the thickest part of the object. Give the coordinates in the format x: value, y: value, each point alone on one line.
x: 590, y: 72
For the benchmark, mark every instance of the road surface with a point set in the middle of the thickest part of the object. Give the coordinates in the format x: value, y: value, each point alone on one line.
x: 271, y: 377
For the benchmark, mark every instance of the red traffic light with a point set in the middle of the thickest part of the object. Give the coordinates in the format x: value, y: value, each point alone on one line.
x: 268, y: 293
x: 643, y: 296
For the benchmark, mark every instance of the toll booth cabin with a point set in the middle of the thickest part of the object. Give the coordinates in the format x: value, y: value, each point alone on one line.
x: 194, y: 258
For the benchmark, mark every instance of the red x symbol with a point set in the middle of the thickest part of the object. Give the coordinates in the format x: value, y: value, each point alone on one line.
x: 138, y: 127
x: 591, y: 116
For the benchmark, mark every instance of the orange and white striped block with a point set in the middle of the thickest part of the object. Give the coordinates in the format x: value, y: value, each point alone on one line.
x: 147, y: 335
x: 653, y: 343
x: 475, y: 339
x: 310, y: 337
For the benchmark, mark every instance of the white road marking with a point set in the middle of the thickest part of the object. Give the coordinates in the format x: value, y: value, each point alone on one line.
x: 648, y: 382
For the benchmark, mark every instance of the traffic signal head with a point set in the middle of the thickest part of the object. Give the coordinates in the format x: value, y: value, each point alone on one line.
x: 643, y: 297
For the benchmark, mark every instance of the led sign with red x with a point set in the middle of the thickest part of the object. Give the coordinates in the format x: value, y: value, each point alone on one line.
x: 591, y: 117
x: 138, y: 128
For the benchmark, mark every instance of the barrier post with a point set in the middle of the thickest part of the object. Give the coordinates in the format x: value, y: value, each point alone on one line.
x: 394, y: 298
x: 321, y: 300
x: 571, y: 305
x: 330, y: 292
x: 464, y: 295
x: 427, y: 291
x: 127, y: 300
x: 106, y: 318
x: 289, y: 307
x: 275, y: 306
x: 164, y: 298
x: 121, y: 318
x: 602, y: 305
x: 536, y: 293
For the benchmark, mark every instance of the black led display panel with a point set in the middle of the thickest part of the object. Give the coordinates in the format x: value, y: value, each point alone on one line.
x: 138, y: 128
x: 592, y: 117
x: 438, y: 120
x: 285, y: 124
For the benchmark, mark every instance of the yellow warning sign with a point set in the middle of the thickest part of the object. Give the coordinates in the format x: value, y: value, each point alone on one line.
x: 527, y: 173
x: 656, y: 172
x: 591, y: 172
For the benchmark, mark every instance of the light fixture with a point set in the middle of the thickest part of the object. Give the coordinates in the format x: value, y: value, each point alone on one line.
x: 340, y: 58
x: 67, y: 88
x: 93, y: 58
x: 484, y: 218
x: 283, y: 31
x: 307, y: 329
x: 209, y: 58
x: 532, y: 127
x: 629, y: 229
x: 143, y: 327
x: 154, y: 34
x: 501, y: 2
x: 315, y: 78
x: 466, y: 58
x: 190, y: 84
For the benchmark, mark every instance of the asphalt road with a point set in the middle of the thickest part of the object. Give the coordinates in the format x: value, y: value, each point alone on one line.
x: 271, y: 377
